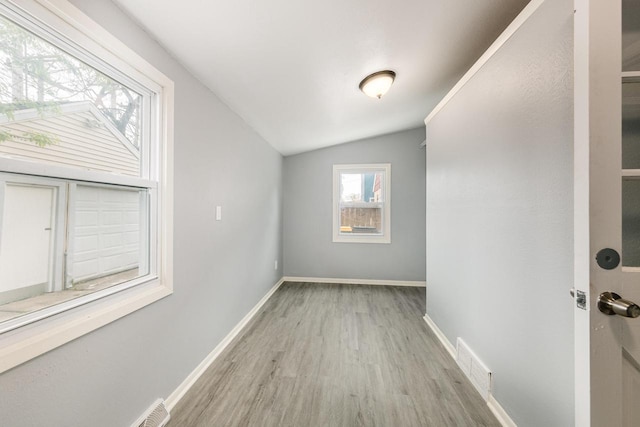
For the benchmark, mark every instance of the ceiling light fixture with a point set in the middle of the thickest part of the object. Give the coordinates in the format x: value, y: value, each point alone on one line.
x: 377, y: 84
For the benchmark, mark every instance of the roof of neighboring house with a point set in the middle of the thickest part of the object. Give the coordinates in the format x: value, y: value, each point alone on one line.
x: 84, y: 137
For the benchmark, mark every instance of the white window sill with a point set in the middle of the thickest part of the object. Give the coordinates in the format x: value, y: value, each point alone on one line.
x: 25, y: 343
x: 355, y: 238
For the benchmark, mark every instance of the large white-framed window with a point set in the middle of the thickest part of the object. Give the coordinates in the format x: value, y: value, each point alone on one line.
x: 362, y: 203
x: 86, y: 142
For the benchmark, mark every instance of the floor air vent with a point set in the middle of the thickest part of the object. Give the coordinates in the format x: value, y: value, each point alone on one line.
x: 474, y: 369
x: 156, y: 416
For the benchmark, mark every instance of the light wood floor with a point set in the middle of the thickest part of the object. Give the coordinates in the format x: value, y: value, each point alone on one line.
x: 335, y: 355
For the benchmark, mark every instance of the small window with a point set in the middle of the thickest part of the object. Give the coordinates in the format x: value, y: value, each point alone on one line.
x: 361, y: 203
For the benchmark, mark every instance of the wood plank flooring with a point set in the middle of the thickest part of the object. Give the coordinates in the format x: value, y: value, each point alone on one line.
x: 335, y: 355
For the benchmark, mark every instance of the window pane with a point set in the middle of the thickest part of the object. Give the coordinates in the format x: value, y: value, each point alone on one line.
x: 56, y: 109
x: 631, y: 125
x: 361, y: 187
x: 106, y: 239
x: 361, y: 220
x: 630, y: 35
x: 361, y: 195
x: 630, y: 223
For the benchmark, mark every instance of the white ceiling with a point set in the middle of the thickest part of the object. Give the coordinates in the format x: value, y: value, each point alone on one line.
x: 291, y: 68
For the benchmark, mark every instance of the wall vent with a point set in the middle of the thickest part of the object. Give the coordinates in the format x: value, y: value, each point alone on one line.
x: 473, y: 368
x: 156, y: 416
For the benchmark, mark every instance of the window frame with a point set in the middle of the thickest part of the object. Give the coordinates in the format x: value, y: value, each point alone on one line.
x: 338, y: 236
x: 62, y: 24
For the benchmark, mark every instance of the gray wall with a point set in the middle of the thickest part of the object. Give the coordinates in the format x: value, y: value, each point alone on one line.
x: 308, y: 177
x: 108, y: 377
x: 499, y: 218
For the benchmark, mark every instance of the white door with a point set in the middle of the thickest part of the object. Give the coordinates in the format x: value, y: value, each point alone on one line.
x: 26, y: 237
x: 607, y: 213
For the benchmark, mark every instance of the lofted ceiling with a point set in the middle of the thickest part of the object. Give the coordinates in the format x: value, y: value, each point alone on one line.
x: 291, y: 68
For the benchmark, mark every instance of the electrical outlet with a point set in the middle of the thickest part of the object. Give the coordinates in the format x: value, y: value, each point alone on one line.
x: 275, y: 265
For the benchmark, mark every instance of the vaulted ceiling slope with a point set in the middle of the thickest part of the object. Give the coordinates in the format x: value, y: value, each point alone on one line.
x: 291, y: 68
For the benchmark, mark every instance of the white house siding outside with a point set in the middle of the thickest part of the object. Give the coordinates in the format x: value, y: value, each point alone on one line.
x: 82, y: 137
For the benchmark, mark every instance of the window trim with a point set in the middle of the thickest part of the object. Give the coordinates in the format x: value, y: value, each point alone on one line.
x: 82, y: 34
x: 386, y: 213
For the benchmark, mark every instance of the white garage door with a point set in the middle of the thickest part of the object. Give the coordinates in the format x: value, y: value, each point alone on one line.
x: 105, y: 232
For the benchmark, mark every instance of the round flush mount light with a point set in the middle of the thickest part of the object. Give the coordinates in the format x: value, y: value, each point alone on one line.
x: 377, y: 84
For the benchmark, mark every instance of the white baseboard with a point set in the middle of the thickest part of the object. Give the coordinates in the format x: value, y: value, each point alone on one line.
x: 443, y: 339
x: 418, y: 284
x: 500, y: 413
x: 182, y: 389
x: 492, y: 403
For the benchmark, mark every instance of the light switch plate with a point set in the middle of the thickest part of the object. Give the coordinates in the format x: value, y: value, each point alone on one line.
x: 218, y: 213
